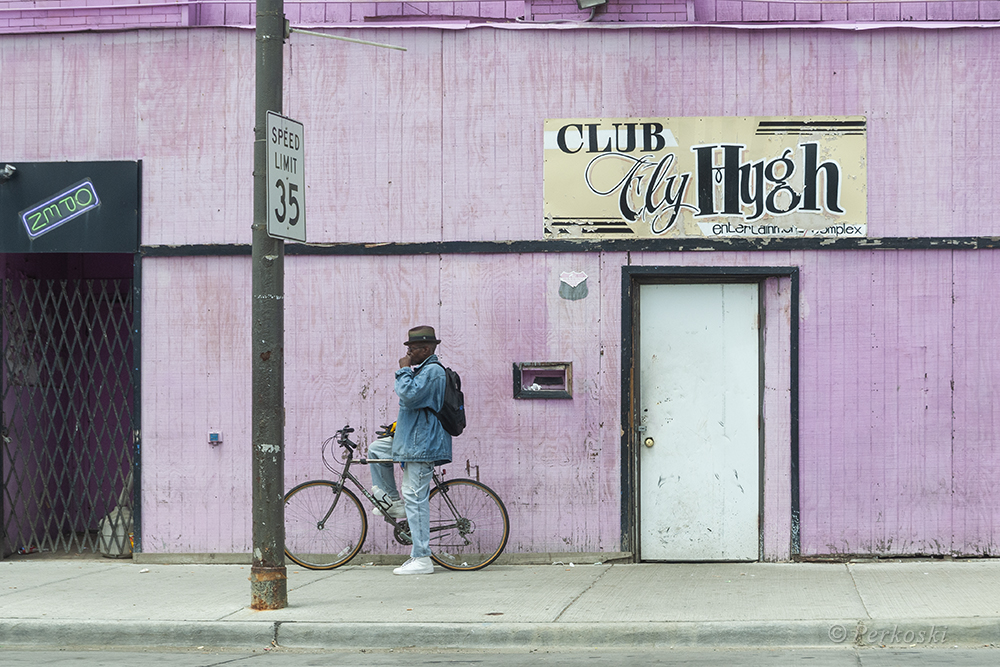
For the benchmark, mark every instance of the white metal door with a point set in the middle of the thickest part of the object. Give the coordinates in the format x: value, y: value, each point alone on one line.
x: 699, y: 384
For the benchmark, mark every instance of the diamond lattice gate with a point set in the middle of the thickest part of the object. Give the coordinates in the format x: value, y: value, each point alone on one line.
x: 67, y: 393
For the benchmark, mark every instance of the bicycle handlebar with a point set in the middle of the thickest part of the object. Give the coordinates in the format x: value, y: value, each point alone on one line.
x: 342, y: 438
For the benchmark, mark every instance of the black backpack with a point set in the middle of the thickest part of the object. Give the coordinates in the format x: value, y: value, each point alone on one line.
x: 452, y: 413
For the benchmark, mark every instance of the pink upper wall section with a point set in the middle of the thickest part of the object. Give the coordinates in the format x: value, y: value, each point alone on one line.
x: 444, y: 142
x: 70, y: 15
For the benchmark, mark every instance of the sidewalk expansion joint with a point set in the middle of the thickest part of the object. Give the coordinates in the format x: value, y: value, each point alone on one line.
x: 861, y: 597
x: 581, y: 594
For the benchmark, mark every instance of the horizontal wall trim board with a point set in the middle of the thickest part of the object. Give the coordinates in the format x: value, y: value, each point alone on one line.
x: 612, y: 245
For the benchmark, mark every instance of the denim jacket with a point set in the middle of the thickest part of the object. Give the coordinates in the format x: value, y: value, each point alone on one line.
x: 419, y: 435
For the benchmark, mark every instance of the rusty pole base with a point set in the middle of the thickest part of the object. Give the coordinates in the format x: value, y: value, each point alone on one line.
x: 268, y: 588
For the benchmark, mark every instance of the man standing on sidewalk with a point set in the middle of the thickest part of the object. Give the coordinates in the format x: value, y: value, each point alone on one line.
x: 420, y: 442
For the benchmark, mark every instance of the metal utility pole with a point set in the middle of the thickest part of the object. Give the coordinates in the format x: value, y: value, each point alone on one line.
x: 268, y: 581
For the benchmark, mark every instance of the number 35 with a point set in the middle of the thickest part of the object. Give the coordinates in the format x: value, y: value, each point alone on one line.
x: 293, y: 203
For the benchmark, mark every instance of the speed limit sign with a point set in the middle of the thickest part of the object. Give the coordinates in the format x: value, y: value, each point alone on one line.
x: 286, y: 185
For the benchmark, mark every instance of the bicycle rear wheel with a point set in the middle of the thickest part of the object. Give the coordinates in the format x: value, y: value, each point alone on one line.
x: 319, y: 535
x: 469, y: 525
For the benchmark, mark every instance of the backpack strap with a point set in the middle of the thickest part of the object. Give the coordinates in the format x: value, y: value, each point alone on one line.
x: 422, y: 366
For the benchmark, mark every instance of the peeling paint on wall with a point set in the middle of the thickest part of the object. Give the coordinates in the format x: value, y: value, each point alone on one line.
x: 573, y: 285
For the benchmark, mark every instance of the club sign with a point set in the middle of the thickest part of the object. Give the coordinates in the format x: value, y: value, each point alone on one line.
x: 705, y: 177
x: 60, y: 208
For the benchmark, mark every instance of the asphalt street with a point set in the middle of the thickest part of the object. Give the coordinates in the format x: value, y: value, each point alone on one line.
x: 682, y: 657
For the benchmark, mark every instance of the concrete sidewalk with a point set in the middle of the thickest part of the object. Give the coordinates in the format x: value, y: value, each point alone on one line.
x: 122, y: 604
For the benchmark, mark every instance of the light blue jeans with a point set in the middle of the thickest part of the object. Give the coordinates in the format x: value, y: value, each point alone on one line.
x: 416, y: 492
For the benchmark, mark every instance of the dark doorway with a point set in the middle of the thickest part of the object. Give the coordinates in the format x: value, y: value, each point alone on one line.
x: 67, y: 391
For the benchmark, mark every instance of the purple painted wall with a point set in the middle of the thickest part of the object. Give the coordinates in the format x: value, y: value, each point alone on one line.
x: 885, y: 466
x: 409, y: 168
x: 443, y: 142
x: 388, y: 160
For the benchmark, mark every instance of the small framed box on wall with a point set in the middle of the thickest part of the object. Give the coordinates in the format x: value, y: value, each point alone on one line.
x: 544, y: 379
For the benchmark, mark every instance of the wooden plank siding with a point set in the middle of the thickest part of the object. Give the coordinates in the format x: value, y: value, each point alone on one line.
x: 884, y: 465
x: 878, y: 418
x: 444, y: 142
x: 897, y: 366
x: 196, y: 377
x: 975, y: 526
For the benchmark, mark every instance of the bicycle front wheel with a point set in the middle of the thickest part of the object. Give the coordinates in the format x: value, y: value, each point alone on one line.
x: 325, y: 525
x: 469, y: 525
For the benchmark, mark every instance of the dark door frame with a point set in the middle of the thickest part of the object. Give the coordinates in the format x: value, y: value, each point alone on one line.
x: 137, y: 402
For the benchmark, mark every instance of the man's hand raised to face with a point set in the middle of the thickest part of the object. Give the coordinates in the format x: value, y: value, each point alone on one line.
x: 417, y: 353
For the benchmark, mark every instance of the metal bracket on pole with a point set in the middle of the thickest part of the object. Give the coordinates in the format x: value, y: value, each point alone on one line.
x: 345, y: 39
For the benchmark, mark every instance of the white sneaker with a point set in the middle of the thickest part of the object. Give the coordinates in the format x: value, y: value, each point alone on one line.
x: 397, y: 510
x: 416, y: 566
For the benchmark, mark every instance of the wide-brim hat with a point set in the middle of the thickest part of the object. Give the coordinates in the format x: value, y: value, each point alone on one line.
x: 422, y: 334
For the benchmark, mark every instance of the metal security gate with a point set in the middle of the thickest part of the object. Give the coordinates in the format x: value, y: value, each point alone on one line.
x: 67, y: 394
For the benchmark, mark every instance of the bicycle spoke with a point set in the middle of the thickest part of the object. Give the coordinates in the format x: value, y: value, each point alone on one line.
x: 325, y: 525
x: 469, y: 525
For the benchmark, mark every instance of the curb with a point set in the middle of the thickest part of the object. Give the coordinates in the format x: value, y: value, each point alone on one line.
x: 551, y: 635
x: 847, y: 633
x: 130, y: 634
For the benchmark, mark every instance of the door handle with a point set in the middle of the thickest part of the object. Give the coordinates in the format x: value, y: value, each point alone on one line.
x: 648, y: 442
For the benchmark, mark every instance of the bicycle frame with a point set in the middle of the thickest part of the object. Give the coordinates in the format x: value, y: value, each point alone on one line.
x: 349, y: 448
x: 469, y: 523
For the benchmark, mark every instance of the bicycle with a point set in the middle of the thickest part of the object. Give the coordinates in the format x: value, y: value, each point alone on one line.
x: 326, y: 525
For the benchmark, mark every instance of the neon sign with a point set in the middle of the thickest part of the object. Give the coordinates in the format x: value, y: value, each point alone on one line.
x: 59, y: 209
